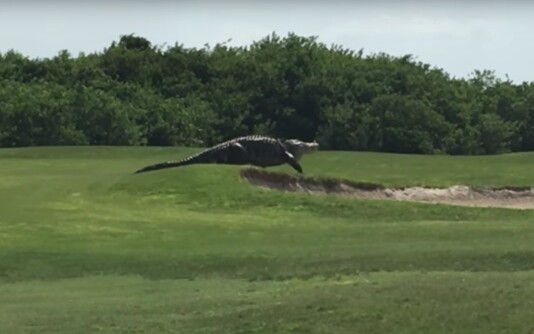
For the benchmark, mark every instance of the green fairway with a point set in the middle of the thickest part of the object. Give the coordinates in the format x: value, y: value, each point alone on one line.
x: 88, y: 247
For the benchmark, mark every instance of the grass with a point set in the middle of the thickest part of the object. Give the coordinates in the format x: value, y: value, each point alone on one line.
x: 87, y: 247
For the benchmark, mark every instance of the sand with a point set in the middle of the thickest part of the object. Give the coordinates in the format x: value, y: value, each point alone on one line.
x: 513, y: 197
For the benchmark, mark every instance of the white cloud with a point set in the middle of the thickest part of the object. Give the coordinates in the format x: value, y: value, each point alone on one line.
x: 458, y: 38
x: 397, y: 27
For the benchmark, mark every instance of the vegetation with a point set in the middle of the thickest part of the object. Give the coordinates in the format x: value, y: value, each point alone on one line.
x: 86, y: 246
x: 136, y: 93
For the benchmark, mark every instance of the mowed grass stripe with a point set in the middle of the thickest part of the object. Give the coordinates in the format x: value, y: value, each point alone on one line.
x: 380, y: 302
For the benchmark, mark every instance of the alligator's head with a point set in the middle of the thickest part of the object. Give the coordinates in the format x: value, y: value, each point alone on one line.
x: 298, y: 148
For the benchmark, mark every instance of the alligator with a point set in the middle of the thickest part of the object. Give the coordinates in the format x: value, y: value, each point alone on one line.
x: 255, y: 150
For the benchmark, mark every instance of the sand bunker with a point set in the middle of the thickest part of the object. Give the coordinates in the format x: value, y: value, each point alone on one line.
x: 514, y: 197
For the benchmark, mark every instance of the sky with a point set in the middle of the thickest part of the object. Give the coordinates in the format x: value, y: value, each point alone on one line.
x: 456, y: 36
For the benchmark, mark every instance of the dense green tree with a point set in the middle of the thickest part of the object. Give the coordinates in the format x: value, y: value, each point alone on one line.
x: 137, y: 93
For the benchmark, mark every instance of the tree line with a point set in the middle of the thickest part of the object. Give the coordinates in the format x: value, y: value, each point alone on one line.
x: 137, y: 93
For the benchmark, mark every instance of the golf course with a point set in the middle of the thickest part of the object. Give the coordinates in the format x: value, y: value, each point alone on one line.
x: 86, y: 246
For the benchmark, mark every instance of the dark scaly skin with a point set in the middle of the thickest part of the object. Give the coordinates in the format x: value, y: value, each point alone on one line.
x: 253, y: 150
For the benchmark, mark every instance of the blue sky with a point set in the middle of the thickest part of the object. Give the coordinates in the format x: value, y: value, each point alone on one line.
x: 457, y: 37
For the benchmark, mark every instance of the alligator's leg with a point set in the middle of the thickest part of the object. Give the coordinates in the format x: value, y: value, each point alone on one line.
x: 235, y: 154
x: 290, y: 159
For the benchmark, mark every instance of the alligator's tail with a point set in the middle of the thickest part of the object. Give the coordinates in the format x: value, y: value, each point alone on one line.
x: 202, y: 157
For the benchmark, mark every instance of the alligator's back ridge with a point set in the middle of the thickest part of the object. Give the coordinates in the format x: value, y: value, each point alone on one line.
x: 254, y: 150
